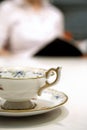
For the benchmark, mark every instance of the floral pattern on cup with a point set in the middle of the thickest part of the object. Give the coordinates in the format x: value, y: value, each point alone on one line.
x: 21, y: 74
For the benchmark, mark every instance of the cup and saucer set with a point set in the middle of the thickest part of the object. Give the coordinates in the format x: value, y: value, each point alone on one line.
x: 27, y: 92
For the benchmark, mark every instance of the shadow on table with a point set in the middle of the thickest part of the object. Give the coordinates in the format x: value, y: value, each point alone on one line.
x: 53, y: 117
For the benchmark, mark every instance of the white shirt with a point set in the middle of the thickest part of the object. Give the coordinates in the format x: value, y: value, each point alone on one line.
x: 27, y: 30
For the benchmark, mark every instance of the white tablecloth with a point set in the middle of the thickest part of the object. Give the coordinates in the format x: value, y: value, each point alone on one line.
x: 73, y: 82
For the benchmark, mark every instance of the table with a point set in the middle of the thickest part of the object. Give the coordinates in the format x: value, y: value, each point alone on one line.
x: 73, y: 82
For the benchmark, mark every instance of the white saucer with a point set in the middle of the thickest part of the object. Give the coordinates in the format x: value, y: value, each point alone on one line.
x: 48, y: 101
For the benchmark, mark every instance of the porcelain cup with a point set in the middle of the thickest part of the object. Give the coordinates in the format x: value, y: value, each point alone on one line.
x: 18, y: 87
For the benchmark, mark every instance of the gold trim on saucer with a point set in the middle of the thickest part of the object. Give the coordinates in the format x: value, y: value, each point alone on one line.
x: 36, y: 109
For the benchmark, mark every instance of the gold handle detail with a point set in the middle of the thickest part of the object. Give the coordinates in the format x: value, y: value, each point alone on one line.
x: 48, y: 84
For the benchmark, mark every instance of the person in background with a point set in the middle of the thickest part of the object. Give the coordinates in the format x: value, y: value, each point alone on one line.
x: 32, y: 28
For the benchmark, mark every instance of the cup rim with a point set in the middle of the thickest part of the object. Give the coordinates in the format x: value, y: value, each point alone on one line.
x: 22, y: 71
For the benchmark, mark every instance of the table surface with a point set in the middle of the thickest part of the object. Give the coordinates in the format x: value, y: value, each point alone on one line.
x: 73, y: 82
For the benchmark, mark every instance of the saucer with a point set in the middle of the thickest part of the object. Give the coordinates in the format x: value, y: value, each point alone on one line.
x: 49, y: 100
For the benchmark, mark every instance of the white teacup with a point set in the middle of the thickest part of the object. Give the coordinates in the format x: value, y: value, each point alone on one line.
x: 19, y: 87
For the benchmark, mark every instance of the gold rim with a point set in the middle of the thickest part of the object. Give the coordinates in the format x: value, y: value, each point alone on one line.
x: 41, y: 69
x: 25, y: 70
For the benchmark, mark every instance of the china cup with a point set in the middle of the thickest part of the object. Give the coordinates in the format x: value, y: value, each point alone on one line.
x: 18, y: 87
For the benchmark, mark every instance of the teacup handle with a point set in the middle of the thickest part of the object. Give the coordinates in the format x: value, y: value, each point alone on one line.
x: 48, y: 84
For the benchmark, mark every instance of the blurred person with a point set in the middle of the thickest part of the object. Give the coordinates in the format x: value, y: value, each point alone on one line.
x: 33, y: 27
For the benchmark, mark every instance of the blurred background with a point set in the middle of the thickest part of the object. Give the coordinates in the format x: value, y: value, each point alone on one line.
x: 75, y: 12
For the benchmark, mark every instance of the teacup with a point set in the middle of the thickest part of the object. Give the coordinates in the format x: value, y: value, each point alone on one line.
x: 20, y: 86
